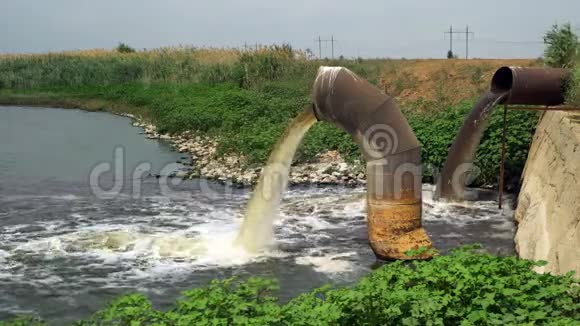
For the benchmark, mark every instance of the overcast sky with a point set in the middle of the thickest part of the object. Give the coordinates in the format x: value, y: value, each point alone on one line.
x: 371, y: 28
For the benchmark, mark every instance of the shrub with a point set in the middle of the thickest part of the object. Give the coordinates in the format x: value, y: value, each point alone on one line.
x: 562, y: 46
x: 124, y: 48
x: 573, y: 96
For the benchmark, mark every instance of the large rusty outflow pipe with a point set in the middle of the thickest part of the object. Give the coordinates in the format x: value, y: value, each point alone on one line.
x: 392, y: 154
x: 509, y: 85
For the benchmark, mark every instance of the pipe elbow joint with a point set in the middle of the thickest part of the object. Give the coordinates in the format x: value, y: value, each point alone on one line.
x: 393, y: 156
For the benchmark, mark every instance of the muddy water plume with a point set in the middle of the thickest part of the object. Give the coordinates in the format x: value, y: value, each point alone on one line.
x: 262, y: 209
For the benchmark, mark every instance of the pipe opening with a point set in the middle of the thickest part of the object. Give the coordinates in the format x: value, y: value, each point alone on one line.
x: 502, y: 81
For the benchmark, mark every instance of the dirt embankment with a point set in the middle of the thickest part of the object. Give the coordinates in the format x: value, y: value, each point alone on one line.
x: 446, y: 81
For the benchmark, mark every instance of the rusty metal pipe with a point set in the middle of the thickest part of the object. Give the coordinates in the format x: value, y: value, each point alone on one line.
x: 509, y: 85
x: 393, y: 157
x: 531, y: 86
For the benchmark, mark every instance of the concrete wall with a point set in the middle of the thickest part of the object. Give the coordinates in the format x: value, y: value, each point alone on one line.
x: 548, y: 209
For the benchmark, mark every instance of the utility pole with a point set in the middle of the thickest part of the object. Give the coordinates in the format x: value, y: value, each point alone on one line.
x: 320, y: 40
x: 450, y: 38
x: 467, y: 34
x: 332, y: 46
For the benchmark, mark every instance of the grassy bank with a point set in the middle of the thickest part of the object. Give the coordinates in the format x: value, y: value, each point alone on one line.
x: 466, y: 287
x: 245, y: 99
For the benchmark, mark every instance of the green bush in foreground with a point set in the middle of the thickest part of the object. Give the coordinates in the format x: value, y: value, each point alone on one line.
x: 466, y: 287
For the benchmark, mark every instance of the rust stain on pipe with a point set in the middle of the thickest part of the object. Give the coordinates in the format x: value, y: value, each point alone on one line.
x: 393, y: 157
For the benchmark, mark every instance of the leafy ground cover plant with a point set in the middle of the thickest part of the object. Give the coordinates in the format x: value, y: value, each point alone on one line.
x: 465, y: 287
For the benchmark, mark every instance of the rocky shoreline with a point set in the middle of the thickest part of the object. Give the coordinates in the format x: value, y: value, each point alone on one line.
x: 328, y: 169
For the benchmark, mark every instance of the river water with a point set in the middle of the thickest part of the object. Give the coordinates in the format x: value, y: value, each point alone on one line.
x: 68, y: 245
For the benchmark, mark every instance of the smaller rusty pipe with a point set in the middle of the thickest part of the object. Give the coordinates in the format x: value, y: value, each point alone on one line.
x: 531, y: 86
x: 509, y: 85
x: 393, y: 157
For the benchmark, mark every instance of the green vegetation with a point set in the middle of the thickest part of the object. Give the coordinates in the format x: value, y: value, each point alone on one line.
x: 466, y: 287
x: 574, y: 88
x: 436, y: 131
x: 562, y: 46
x: 244, y: 99
x: 562, y: 52
x: 124, y: 48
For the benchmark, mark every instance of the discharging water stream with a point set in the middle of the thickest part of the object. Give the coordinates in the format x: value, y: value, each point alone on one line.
x: 64, y: 253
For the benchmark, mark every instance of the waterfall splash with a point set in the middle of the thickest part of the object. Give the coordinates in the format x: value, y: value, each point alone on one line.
x: 262, y: 210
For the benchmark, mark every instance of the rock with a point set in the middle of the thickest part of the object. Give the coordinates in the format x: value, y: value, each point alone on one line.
x: 324, y: 169
x: 181, y: 174
x: 329, y: 157
x: 329, y: 168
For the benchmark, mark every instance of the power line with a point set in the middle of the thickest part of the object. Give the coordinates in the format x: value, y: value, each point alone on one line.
x: 507, y: 41
x: 320, y: 41
x: 467, y: 33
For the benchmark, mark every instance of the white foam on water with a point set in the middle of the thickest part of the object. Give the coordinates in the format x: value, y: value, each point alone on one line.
x: 328, y: 263
x: 50, y: 280
x: 319, y: 227
x: 66, y: 197
x: 3, y: 255
x: 213, y: 246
